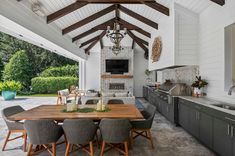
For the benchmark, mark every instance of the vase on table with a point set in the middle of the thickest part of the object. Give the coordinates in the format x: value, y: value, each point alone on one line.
x: 197, y: 92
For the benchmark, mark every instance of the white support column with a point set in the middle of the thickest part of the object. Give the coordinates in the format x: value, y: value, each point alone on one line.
x: 82, y: 75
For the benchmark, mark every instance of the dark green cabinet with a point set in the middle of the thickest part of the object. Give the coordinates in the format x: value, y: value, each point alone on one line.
x: 222, y: 140
x: 206, y: 129
x: 196, y: 121
x: 184, y: 115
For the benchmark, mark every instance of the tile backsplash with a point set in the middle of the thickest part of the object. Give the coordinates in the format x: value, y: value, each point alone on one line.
x: 181, y: 75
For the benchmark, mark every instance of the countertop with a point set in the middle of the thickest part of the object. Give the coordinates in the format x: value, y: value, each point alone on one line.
x: 207, y: 102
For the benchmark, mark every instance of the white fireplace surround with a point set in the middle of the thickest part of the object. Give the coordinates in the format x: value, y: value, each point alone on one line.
x: 126, y: 53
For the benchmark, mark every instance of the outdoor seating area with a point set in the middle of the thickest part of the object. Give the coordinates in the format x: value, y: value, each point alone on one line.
x: 136, y: 146
x: 117, y: 77
x: 45, y: 125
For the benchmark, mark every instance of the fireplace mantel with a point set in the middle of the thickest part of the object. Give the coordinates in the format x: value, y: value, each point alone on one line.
x: 117, y: 76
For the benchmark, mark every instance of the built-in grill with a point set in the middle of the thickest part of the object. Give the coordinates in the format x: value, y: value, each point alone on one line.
x: 167, y: 99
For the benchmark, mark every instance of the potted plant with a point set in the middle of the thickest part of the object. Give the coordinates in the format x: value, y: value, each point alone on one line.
x: 9, y: 89
x: 198, y: 85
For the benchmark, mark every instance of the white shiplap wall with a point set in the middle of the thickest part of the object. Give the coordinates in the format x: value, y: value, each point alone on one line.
x: 186, y: 36
x: 211, y: 57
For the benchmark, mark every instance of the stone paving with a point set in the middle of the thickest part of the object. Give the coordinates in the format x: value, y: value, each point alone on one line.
x: 168, y: 139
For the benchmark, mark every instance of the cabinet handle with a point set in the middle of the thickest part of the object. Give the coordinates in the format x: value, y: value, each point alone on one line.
x: 228, y: 129
x: 229, y: 119
x: 231, y: 131
x: 198, y: 115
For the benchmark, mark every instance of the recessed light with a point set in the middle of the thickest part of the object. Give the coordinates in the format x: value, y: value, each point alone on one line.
x: 41, y: 44
x: 21, y: 35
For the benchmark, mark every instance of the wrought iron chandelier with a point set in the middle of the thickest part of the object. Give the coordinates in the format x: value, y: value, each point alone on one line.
x: 116, y: 36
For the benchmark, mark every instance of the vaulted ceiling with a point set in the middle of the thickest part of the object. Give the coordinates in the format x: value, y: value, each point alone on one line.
x: 85, y: 21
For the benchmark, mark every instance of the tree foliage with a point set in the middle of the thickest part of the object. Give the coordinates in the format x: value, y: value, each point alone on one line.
x: 1, y: 68
x: 39, y: 58
x: 18, y: 69
x: 68, y: 70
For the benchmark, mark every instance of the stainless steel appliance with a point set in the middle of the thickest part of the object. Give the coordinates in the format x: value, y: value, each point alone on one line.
x: 166, y: 99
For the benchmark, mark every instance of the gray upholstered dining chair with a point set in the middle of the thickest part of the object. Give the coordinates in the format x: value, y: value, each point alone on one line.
x: 14, y: 126
x: 142, y: 128
x: 115, y: 101
x: 92, y: 102
x: 43, y: 132
x: 115, y: 132
x: 80, y: 132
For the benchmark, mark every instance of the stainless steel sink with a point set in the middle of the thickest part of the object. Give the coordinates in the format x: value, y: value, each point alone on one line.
x: 225, y: 106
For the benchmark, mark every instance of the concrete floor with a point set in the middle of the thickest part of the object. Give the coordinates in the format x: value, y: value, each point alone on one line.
x: 168, y: 139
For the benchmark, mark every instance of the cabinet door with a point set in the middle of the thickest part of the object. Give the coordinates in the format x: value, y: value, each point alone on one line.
x: 144, y: 92
x: 171, y: 112
x: 222, y: 141
x: 206, y: 129
x: 194, y: 122
x: 184, y: 116
x: 158, y: 104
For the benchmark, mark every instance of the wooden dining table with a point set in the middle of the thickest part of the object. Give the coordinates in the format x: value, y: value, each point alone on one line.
x: 55, y: 112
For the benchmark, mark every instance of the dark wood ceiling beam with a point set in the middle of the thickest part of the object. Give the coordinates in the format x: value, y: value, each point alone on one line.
x: 94, y: 29
x: 101, y: 44
x: 89, y: 41
x: 117, y: 12
x: 127, y: 24
x: 83, y: 34
x: 137, y: 41
x: 88, y: 19
x: 133, y: 44
x: 116, y: 1
x: 94, y: 43
x: 138, y: 17
x: 220, y: 2
x: 158, y: 7
x: 62, y: 12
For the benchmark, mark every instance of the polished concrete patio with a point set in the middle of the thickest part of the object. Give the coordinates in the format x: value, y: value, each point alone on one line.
x: 168, y: 139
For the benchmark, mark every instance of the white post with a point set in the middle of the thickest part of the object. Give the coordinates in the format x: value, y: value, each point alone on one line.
x: 82, y: 75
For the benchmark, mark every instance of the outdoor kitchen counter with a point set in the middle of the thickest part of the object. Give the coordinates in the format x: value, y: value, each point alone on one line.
x: 210, y: 103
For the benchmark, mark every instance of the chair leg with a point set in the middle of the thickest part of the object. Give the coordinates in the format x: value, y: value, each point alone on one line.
x: 102, y: 148
x: 54, y: 149
x: 25, y: 141
x: 131, y: 141
x: 126, y: 148
x: 91, y: 149
x: 150, y: 138
x: 67, y: 149
x: 29, y: 149
x: 5, y: 143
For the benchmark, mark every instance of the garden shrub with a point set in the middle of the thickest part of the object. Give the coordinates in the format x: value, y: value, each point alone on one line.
x: 52, y: 84
x: 1, y: 68
x: 68, y: 70
x: 18, y: 69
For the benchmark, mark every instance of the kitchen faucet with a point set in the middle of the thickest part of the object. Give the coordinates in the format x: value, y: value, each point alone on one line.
x: 231, y: 90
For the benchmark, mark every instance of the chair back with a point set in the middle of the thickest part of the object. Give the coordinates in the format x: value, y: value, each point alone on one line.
x: 115, y: 101
x: 149, y: 114
x: 79, y: 131
x: 92, y: 102
x: 6, y: 112
x: 43, y: 131
x: 115, y: 130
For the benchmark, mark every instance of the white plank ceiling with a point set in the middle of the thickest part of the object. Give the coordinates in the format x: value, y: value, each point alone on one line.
x: 51, y: 6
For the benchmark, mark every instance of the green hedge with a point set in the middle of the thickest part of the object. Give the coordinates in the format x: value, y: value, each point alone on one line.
x: 68, y: 70
x: 52, y: 84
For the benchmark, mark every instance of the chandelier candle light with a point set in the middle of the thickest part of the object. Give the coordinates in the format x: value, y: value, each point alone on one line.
x: 115, y: 37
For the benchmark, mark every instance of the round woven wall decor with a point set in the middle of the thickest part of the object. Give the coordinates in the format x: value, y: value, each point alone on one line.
x: 156, y: 49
